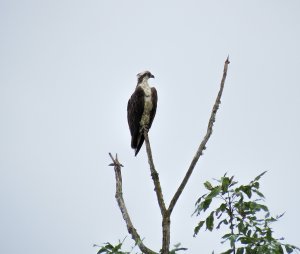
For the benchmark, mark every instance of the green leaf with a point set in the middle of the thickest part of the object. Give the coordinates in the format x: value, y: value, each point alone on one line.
x: 220, y: 210
x: 240, y: 251
x: 267, y: 215
x: 208, y: 185
x: 225, y: 184
x: 249, y: 233
x: 279, y: 216
x: 263, y: 207
x: 245, y: 240
x: 199, y: 226
x: 223, y: 207
x: 255, y: 235
x: 256, y: 185
x: 232, y: 184
x: 280, y: 250
x: 109, y: 246
x: 226, y: 236
x: 199, y: 199
x: 222, y: 221
x: 210, y: 222
x: 214, y: 192
x: 261, y: 249
x: 269, y: 234
x: 259, y: 176
x: 270, y: 219
x: 241, y: 227
x: 102, y: 250
x: 247, y: 190
x: 259, y: 193
x: 290, y: 248
x: 117, y: 247
x: 228, y: 251
x: 232, y: 240
x: 205, y: 204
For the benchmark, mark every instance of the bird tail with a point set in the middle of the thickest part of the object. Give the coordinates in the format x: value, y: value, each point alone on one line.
x: 139, y: 143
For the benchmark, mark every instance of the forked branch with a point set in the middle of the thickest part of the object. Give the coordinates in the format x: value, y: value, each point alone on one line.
x: 119, y: 196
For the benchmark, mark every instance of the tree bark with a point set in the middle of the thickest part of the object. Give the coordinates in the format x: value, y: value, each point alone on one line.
x: 119, y: 197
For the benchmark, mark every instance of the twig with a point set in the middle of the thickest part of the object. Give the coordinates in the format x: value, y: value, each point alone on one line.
x: 119, y: 196
x: 204, y: 141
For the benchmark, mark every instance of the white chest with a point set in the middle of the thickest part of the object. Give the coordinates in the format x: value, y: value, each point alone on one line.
x: 147, y: 89
x: 147, y: 105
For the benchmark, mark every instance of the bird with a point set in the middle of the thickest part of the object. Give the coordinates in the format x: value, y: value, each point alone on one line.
x: 141, y: 109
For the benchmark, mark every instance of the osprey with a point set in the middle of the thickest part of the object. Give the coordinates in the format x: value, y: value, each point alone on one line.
x: 141, y: 109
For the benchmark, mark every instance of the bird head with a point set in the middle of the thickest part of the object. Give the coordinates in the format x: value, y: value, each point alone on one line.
x: 145, y: 75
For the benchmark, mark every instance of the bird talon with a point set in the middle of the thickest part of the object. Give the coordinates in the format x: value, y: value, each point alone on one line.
x: 145, y: 129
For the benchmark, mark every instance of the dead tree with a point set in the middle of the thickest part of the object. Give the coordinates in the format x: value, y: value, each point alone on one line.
x: 166, y: 211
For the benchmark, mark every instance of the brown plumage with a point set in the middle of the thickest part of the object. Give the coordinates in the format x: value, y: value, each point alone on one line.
x: 141, y: 109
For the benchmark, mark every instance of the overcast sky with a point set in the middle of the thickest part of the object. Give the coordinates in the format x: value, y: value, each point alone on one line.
x: 67, y: 70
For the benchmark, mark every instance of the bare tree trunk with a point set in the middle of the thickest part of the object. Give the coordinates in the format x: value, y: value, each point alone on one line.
x: 166, y: 223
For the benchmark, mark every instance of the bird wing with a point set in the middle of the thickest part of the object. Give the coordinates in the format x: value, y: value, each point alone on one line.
x: 135, y: 109
x: 154, y: 105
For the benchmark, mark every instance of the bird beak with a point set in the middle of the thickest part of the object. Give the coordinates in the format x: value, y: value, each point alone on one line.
x: 152, y: 76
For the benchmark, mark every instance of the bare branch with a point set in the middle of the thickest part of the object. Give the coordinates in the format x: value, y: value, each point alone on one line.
x: 204, y: 141
x: 164, y: 212
x: 154, y: 175
x: 119, y: 196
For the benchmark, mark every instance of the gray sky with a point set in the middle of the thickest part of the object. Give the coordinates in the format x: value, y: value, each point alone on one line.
x: 67, y: 69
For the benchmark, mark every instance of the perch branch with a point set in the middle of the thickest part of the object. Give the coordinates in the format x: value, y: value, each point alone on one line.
x: 204, y: 141
x: 154, y: 175
x: 164, y: 212
x: 119, y: 196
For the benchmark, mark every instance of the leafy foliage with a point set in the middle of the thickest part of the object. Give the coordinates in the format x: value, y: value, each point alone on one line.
x: 108, y: 248
x: 177, y: 248
x: 242, y: 211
